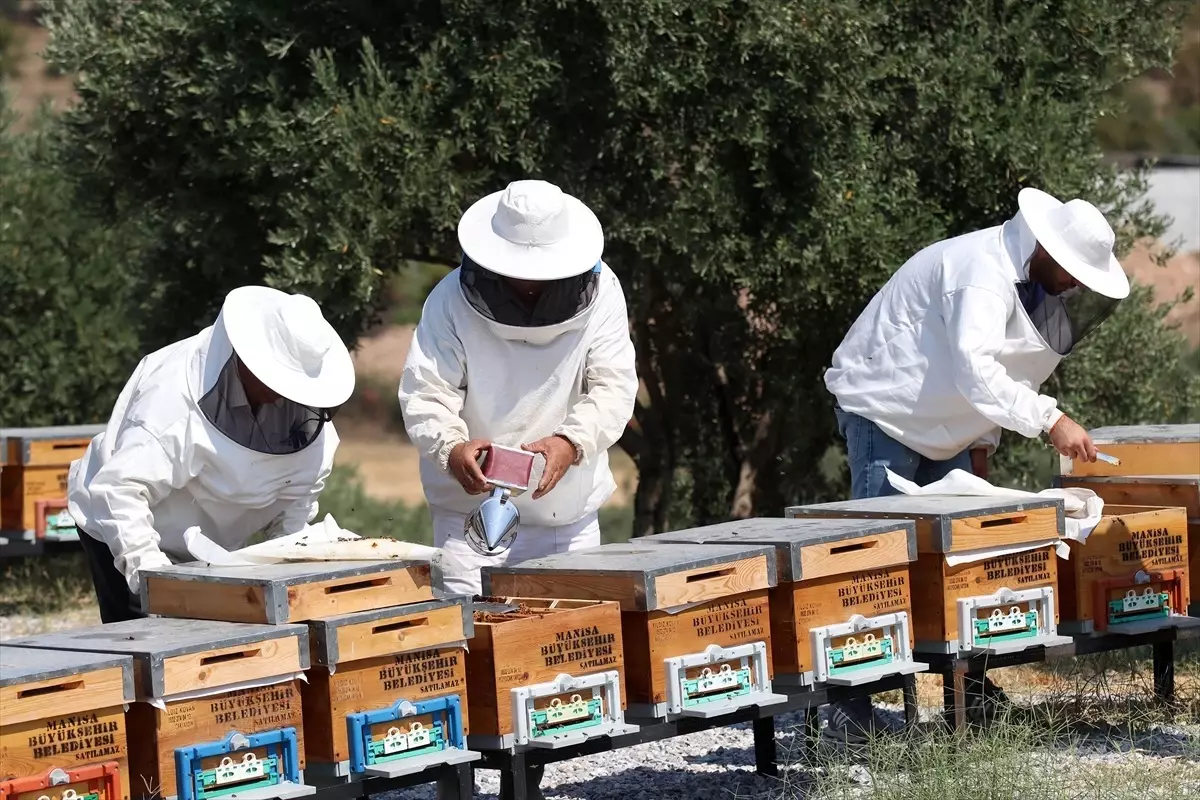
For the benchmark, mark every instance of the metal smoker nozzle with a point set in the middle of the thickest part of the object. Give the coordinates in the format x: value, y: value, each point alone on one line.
x: 491, y: 528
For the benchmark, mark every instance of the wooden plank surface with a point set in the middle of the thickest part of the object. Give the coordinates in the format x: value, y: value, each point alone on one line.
x: 947, y: 523
x: 534, y: 645
x: 651, y: 637
x: 66, y: 740
x: 398, y: 633
x: 279, y: 593
x: 75, y: 694
x: 797, y: 608
x: 627, y: 572
x: 1142, y: 490
x: 866, y: 553
x: 157, y: 734
x: 790, y: 537
x: 1181, y: 458
x: 1128, y: 540
x: 375, y: 683
x: 174, y: 655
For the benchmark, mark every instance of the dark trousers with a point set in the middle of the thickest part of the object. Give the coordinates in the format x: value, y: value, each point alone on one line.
x: 117, y: 603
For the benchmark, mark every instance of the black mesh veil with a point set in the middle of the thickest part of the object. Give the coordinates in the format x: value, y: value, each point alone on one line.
x: 493, y: 297
x: 1064, y: 320
x: 280, y: 428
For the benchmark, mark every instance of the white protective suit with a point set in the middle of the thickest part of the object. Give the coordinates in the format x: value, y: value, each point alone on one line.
x: 468, y: 377
x: 944, y: 356
x: 160, y: 467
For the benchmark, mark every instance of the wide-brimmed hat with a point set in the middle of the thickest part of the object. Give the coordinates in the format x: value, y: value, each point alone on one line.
x: 531, y: 230
x: 1079, y: 238
x: 285, y: 341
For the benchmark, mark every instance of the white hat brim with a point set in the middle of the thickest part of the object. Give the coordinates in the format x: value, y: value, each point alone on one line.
x: 1035, y: 206
x: 573, y: 255
x: 245, y: 316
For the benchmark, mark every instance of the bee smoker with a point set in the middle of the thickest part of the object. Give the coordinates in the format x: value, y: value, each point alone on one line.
x: 492, y: 527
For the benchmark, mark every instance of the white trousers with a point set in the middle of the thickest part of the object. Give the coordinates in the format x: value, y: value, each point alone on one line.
x: 461, y: 564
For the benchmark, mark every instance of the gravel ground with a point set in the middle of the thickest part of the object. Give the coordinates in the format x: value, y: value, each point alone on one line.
x: 720, y: 764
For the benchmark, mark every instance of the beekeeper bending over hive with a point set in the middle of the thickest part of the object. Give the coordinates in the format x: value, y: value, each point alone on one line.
x: 956, y: 345
x: 228, y: 431
x: 526, y: 344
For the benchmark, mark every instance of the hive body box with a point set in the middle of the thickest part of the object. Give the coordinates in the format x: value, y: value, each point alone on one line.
x: 1160, y: 466
x: 545, y: 673
x: 33, y: 482
x: 387, y: 692
x: 1000, y: 604
x: 695, y: 620
x: 1130, y: 576
x: 62, y: 724
x: 840, y: 613
x: 193, y: 669
x: 280, y: 593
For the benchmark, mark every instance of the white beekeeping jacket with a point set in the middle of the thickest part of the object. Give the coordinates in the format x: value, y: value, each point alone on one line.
x: 469, y: 377
x: 944, y: 356
x: 160, y: 467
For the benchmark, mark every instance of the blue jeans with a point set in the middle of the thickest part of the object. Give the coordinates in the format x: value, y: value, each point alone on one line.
x: 871, y: 452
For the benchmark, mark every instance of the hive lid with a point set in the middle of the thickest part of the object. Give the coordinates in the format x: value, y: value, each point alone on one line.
x: 638, y: 574
x: 1147, y: 434
x: 949, y: 523
x: 155, y: 641
x: 53, y: 432
x: 790, y: 537
x: 288, y: 592
x: 284, y: 574
x: 160, y: 637
x: 20, y: 665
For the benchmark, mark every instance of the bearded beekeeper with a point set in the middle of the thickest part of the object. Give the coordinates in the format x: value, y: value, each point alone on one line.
x: 526, y: 344
x: 956, y: 345
x: 228, y: 432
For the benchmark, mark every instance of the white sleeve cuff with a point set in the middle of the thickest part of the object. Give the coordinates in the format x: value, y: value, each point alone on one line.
x: 1055, y: 415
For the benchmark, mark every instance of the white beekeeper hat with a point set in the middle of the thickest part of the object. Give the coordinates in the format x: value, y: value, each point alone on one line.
x: 285, y: 341
x: 531, y: 230
x: 1079, y: 238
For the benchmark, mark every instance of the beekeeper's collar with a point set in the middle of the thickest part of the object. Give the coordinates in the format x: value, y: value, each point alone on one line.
x: 1019, y: 245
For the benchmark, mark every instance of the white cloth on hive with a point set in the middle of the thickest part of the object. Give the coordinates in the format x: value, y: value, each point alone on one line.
x: 1083, y: 507
x: 323, y: 541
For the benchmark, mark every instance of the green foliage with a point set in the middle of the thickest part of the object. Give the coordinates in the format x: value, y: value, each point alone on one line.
x: 345, y: 498
x: 67, y: 342
x: 760, y: 168
x: 1131, y: 371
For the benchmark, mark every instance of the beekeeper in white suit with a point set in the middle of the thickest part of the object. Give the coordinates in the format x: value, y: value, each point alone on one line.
x: 956, y: 345
x: 228, y: 431
x: 526, y: 344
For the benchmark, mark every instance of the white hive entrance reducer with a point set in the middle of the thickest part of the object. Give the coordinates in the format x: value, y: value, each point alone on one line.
x: 492, y: 527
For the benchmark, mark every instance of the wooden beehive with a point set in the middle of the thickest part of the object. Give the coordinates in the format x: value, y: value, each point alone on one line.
x: 829, y: 572
x: 523, y: 641
x: 366, y: 664
x: 1136, y: 549
x: 948, y: 526
x: 33, y: 483
x: 280, y: 593
x: 1142, y: 450
x: 62, y: 724
x: 677, y: 601
x: 211, y: 689
x: 1160, y: 466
